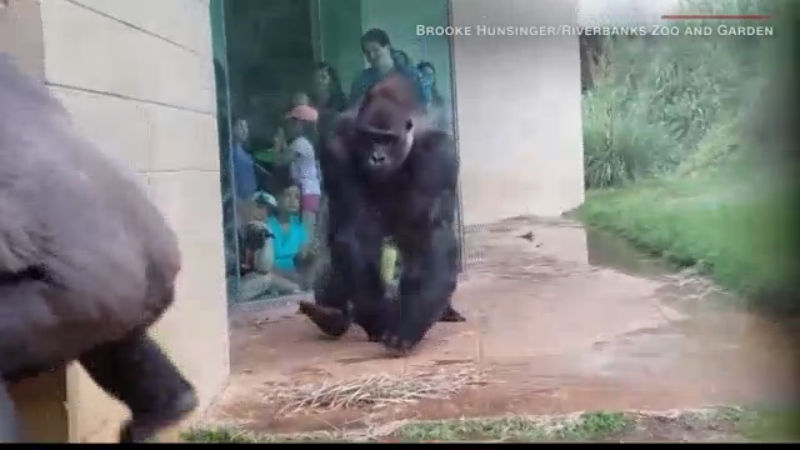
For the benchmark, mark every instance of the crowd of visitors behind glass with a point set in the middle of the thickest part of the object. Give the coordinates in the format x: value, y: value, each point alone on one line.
x: 282, y: 226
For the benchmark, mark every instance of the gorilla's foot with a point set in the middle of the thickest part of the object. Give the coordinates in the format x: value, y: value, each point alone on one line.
x: 451, y: 315
x: 135, y: 371
x: 331, y: 321
x: 144, y: 426
x: 401, y: 340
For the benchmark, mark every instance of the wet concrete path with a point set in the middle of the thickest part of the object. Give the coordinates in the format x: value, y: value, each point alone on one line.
x: 566, y: 321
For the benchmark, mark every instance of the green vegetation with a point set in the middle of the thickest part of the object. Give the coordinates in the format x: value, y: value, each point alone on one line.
x: 221, y: 435
x: 714, y: 424
x: 770, y: 424
x: 741, y: 239
x: 590, y: 426
x: 594, y: 426
x: 587, y: 427
x: 656, y: 98
x: 685, y: 158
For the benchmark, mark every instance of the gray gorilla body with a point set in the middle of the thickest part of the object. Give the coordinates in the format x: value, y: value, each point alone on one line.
x: 87, y: 263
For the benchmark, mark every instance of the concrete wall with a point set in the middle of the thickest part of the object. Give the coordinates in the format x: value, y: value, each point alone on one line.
x: 21, y: 35
x: 138, y: 79
x: 519, y: 111
x: 40, y: 401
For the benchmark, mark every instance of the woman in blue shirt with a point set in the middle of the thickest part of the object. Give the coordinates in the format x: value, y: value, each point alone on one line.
x: 379, y: 54
x: 290, y: 240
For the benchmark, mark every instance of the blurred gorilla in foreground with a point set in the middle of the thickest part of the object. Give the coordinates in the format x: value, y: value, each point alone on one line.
x: 87, y: 264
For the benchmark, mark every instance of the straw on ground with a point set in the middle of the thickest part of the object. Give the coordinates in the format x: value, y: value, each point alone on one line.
x: 375, y: 390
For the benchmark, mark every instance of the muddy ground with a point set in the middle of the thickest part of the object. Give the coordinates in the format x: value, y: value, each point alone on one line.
x: 565, y: 321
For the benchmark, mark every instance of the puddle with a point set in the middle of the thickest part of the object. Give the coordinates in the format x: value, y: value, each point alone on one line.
x: 448, y: 362
x: 608, y: 250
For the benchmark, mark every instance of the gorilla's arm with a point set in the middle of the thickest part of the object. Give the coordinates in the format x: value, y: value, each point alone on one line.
x: 428, y: 244
x: 355, y: 237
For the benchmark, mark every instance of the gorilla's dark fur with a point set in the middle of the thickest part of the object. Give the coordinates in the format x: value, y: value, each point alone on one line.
x: 87, y: 264
x: 388, y: 174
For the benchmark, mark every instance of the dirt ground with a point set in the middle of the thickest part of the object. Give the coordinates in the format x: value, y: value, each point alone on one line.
x: 565, y: 321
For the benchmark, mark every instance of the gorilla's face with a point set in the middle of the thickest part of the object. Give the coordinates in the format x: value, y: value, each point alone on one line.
x: 384, y: 137
x: 382, y: 154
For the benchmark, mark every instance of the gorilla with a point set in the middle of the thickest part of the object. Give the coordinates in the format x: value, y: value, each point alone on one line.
x: 388, y: 174
x: 87, y: 265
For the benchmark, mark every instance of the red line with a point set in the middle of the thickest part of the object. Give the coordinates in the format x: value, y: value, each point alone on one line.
x: 716, y: 16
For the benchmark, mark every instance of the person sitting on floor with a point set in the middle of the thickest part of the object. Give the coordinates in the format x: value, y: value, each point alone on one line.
x: 258, y: 254
x: 291, y: 240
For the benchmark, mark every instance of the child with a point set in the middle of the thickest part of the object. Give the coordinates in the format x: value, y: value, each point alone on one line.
x: 304, y: 170
x: 301, y: 99
x: 292, y: 246
x: 257, y: 245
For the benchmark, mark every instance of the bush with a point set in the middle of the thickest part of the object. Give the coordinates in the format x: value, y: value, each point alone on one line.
x: 655, y: 99
x: 621, y: 146
x: 711, y: 121
x: 718, y: 148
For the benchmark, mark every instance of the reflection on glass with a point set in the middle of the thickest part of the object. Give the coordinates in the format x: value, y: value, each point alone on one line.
x: 292, y: 67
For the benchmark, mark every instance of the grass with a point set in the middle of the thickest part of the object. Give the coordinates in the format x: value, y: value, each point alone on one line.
x: 713, y: 424
x: 590, y: 426
x: 221, y: 435
x: 771, y: 424
x: 738, y: 230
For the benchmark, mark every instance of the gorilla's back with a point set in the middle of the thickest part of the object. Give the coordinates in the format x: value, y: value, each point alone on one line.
x: 106, y: 254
